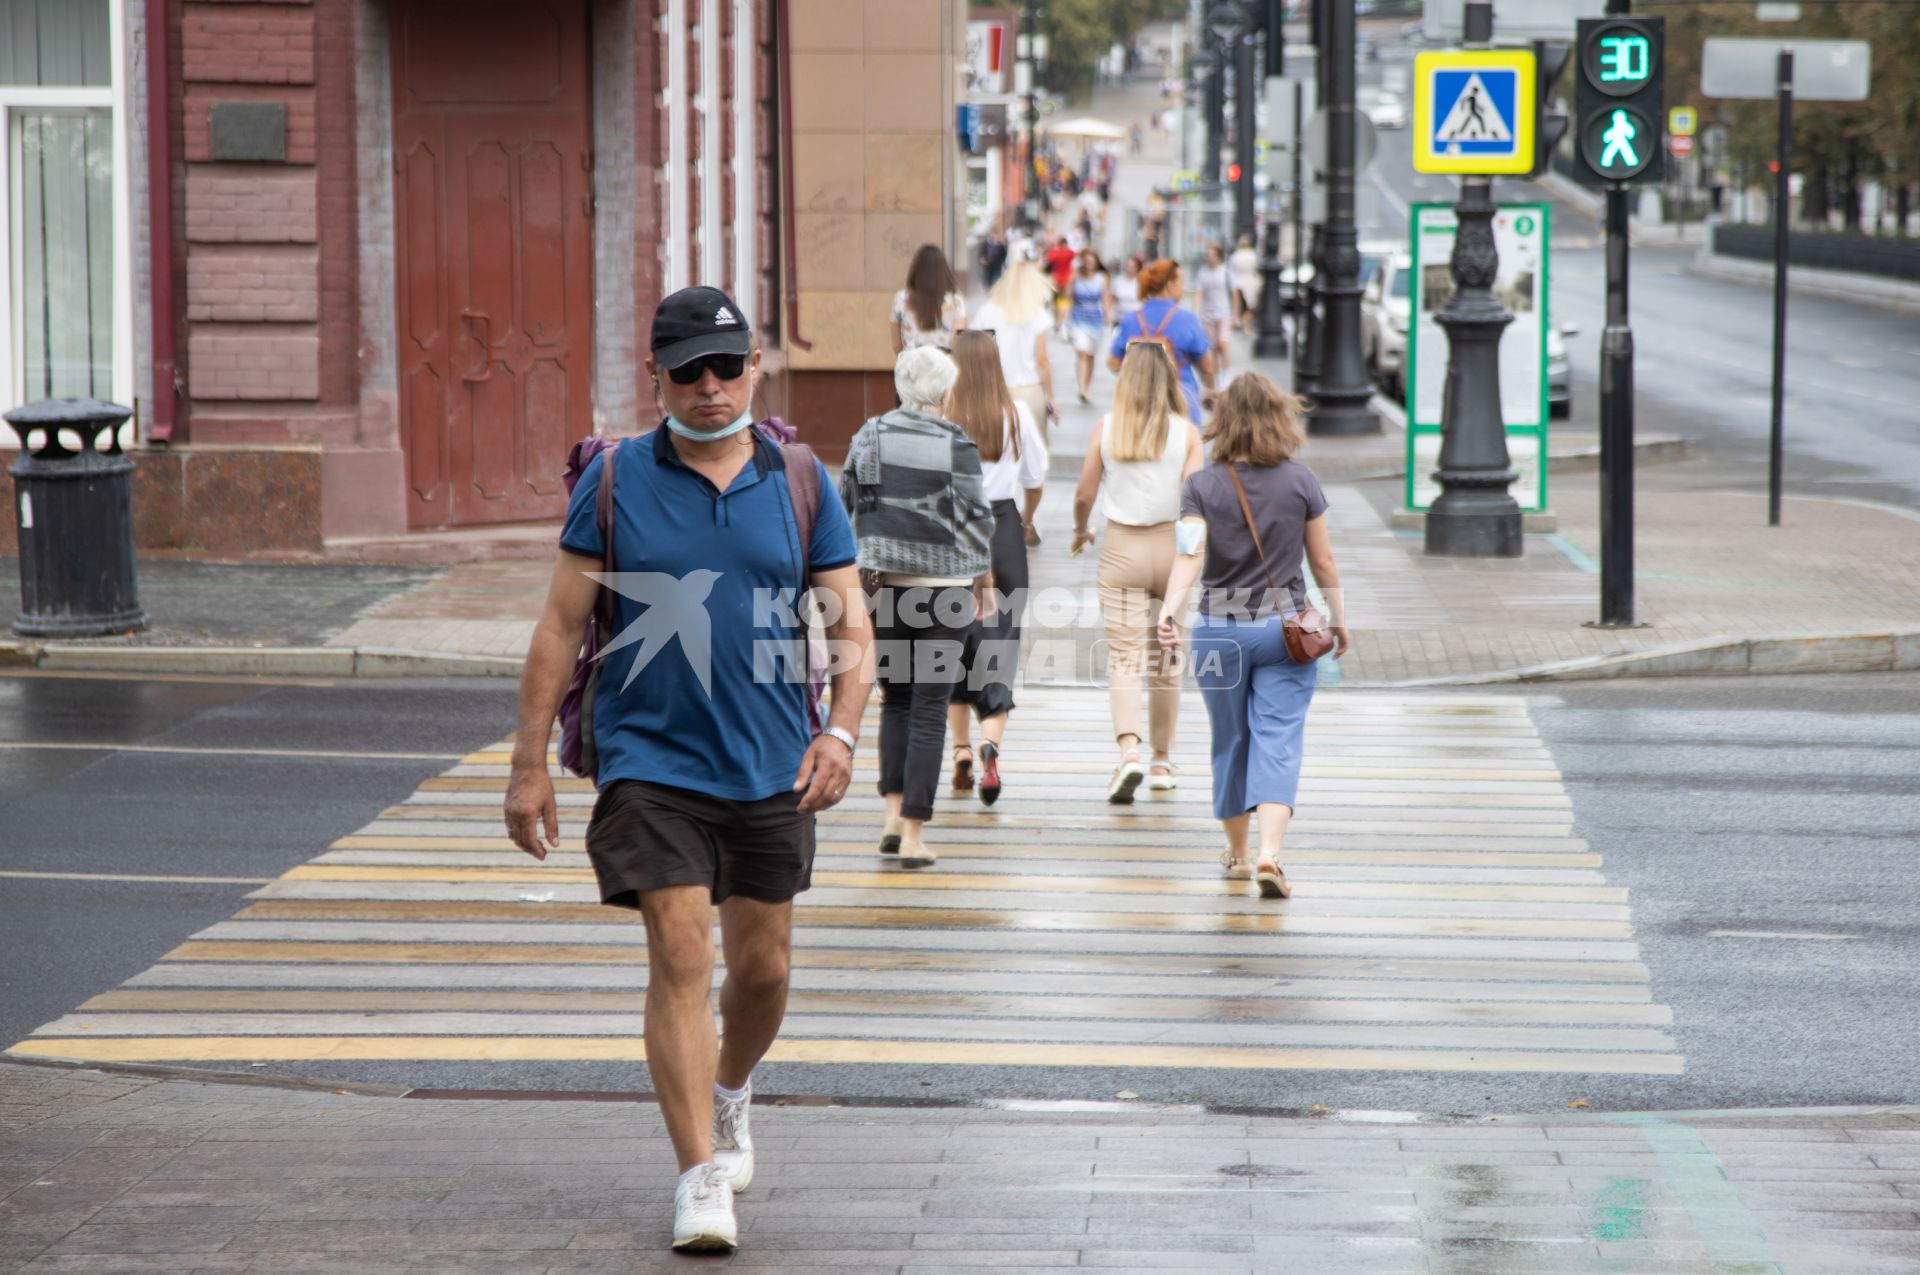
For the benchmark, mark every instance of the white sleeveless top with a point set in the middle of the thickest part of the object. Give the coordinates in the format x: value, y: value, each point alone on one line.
x: 1145, y: 493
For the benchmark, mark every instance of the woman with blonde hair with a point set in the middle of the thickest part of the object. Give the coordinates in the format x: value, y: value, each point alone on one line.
x: 1013, y: 470
x: 1018, y: 314
x: 1140, y: 452
x: 1245, y: 521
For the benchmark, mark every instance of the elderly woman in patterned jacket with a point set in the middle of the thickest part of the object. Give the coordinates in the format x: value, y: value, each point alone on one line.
x: 912, y: 483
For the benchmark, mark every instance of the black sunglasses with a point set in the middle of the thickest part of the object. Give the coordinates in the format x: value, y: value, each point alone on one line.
x: 727, y: 367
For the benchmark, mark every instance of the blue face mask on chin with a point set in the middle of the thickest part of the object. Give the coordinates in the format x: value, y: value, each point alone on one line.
x: 686, y: 431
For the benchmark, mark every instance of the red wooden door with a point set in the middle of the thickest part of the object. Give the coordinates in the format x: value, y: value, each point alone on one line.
x: 493, y: 223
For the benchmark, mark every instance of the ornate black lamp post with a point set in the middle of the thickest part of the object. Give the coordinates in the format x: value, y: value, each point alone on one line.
x: 1341, y: 389
x: 1474, y: 516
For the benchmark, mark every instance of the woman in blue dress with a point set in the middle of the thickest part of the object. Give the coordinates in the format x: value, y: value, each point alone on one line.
x: 1090, y: 297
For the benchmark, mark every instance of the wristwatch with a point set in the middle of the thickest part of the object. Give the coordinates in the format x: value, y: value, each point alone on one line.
x: 845, y: 737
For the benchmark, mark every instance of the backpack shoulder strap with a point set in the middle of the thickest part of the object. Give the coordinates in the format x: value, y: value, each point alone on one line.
x: 803, y: 491
x: 603, y: 516
x: 1165, y: 319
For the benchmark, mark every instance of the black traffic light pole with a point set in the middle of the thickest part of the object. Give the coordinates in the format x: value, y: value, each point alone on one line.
x: 1245, y: 112
x: 1782, y: 209
x: 1270, y: 340
x: 1616, y: 414
x: 1306, y: 363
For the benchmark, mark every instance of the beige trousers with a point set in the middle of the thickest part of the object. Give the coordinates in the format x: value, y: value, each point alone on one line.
x: 1134, y: 565
x: 1036, y: 400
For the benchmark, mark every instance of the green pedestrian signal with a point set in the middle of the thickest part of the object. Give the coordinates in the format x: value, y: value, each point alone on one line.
x: 1617, y: 144
x: 1623, y: 58
x: 1619, y: 139
x: 1620, y: 100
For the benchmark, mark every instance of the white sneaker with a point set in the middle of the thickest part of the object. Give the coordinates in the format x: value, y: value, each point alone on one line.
x: 732, y: 1140
x: 1126, y: 779
x: 703, y: 1213
x: 917, y: 856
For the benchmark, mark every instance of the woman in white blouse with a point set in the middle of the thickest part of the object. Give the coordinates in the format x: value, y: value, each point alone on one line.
x: 1013, y: 470
x: 1019, y: 313
x: 1141, y: 453
x: 930, y: 309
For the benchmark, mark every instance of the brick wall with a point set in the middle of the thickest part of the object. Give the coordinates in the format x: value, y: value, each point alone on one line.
x: 253, y: 286
x: 268, y: 339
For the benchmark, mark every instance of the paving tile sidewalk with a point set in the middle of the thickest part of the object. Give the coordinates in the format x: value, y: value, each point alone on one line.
x: 1708, y: 567
x: 127, y: 1173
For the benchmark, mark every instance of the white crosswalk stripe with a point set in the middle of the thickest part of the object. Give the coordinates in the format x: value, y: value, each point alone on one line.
x: 1445, y: 916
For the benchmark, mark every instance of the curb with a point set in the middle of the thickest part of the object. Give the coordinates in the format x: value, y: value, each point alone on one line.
x: 254, y: 661
x: 1896, y: 651
x: 1835, y: 285
x: 1873, y: 652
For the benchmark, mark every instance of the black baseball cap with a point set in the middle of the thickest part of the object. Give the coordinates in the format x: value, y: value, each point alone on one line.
x: 695, y: 322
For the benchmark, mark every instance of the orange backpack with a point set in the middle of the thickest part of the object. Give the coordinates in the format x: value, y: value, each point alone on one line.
x: 1157, y: 337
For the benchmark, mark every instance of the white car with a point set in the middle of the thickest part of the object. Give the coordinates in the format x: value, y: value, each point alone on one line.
x: 1389, y: 110
x: 1386, y: 307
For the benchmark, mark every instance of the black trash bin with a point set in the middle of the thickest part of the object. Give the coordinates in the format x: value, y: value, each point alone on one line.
x: 74, y: 509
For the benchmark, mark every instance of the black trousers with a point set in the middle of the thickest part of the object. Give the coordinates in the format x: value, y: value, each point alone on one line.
x: 918, y: 648
x: 992, y: 655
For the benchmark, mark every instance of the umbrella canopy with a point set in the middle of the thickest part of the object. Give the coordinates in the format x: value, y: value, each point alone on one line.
x: 1087, y: 126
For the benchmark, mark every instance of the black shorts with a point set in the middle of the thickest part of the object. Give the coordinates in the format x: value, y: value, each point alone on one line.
x: 646, y: 836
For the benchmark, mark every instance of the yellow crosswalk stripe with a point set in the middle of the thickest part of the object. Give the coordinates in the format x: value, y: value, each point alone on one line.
x: 1446, y: 917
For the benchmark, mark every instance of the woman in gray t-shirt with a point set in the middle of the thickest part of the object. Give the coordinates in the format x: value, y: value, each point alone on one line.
x: 1256, y: 696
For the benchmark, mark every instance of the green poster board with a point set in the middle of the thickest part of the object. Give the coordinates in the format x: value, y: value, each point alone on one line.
x: 1520, y: 235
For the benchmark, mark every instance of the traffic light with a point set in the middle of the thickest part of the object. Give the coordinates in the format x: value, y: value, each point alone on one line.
x: 1549, y: 60
x: 1233, y: 174
x: 1620, y: 100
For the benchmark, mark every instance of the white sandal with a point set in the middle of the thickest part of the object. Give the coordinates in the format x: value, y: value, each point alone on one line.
x: 1163, y: 775
x: 1235, y: 869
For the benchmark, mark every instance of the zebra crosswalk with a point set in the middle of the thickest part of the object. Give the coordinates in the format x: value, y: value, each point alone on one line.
x: 1445, y: 917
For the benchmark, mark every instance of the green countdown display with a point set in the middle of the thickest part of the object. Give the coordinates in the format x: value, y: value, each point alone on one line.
x: 1623, y: 59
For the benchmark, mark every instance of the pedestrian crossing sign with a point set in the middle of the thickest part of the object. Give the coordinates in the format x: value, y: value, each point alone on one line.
x: 1473, y: 111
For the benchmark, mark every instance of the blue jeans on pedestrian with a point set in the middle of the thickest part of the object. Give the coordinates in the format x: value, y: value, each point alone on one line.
x: 1256, y: 699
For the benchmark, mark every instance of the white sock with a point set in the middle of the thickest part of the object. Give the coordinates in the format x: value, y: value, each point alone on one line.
x: 733, y: 1095
x: 694, y: 1172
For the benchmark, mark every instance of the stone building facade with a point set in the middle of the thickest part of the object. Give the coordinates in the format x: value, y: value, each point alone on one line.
x: 406, y: 251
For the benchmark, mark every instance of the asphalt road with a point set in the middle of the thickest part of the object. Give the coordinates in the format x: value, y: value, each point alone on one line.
x: 1703, y: 349
x: 207, y: 802
x: 1764, y: 827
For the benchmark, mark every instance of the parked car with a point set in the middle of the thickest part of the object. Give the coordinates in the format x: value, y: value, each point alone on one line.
x: 1560, y: 369
x: 1386, y: 307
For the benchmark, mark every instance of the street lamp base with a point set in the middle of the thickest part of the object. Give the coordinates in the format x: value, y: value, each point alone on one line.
x: 1270, y: 345
x: 1344, y: 416
x: 1483, y: 524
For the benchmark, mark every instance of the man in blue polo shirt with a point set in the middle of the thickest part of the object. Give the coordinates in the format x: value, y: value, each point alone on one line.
x: 708, y: 773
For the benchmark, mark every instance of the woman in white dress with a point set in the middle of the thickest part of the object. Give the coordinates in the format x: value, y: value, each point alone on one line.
x: 930, y: 309
x: 1216, y: 303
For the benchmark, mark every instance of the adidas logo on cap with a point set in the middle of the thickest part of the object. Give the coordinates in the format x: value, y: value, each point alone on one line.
x: 724, y: 317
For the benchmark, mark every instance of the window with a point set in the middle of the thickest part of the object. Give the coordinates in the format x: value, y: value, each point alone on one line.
x: 64, y: 329
x: 1401, y: 278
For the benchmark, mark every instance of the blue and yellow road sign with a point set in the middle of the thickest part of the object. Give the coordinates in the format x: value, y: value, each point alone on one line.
x: 1473, y: 111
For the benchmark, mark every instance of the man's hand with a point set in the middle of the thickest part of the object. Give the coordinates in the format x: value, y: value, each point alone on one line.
x: 529, y: 805
x: 825, y: 772
x: 1342, y: 641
